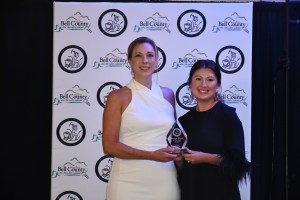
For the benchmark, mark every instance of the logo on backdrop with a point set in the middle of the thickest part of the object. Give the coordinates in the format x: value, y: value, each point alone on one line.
x: 189, y: 59
x: 74, y: 167
x: 112, y: 23
x: 69, y: 195
x: 184, y: 97
x: 103, y: 167
x: 234, y: 22
x: 70, y: 132
x: 231, y: 59
x: 162, y: 59
x: 76, y: 22
x: 156, y: 22
x: 97, y: 137
x: 104, y: 90
x: 76, y: 94
x: 191, y: 23
x: 234, y: 95
x: 72, y: 59
x: 117, y: 58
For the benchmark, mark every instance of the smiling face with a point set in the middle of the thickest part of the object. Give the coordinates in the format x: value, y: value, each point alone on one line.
x: 143, y: 60
x: 204, y: 85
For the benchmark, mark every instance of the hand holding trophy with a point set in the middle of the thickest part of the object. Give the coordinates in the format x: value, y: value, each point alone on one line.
x: 177, y: 138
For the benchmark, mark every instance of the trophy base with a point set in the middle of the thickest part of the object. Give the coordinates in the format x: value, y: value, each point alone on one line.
x: 179, y: 151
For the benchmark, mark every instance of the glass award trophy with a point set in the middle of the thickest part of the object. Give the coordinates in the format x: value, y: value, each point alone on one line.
x: 177, y: 138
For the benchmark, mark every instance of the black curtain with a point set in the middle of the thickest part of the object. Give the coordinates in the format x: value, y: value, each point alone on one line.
x: 27, y: 28
x: 275, y: 136
x: 268, y: 102
x: 294, y: 97
x: 26, y: 79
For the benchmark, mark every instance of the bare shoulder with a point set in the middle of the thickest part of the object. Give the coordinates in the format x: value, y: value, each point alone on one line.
x: 119, y: 93
x: 119, y: 98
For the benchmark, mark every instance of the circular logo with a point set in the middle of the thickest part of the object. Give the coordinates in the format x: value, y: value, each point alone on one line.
x: 184, y: 97
x: 70, y: 132
x: 191, y: 23
x: 176, y: 132
x: 162, y: 59
x: 68, y: 195
x: 72, y: 59
x: 231, y: 59
x: 112, y: 23
x: 104, y: 90
x: 103, y: 167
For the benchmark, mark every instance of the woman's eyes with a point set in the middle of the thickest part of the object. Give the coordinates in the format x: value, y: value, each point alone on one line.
x: 209, y: 79
x: 148, y: 55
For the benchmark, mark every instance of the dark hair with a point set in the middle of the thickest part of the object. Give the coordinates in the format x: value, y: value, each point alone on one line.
x: 140, y: 40
x: 210, y: 64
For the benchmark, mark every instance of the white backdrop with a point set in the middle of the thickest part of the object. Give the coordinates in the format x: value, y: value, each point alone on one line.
x: 90, y: 59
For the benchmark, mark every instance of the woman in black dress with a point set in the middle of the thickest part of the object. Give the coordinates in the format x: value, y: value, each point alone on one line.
x: 216, y: 162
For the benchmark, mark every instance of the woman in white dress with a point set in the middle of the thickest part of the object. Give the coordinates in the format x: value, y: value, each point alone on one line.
x: 136, y: 120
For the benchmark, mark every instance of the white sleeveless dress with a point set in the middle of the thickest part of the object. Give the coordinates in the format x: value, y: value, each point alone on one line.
x: 145, y: 124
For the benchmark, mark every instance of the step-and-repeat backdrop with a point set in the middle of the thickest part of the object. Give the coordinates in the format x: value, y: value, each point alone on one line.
x: 90, y: 60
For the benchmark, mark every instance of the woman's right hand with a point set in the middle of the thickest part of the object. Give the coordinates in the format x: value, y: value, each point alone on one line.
x: 164, y: 154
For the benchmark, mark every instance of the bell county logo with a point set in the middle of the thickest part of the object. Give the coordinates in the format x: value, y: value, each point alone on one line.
x: 234, y: 22
x: 234, y: 95
x: 118, y: 58
x: 74, y: 167
x: 189, y: 59
x: 76, y: 94
x: 156, y: 22
x: 77, y: 22
x: 115, y: 58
